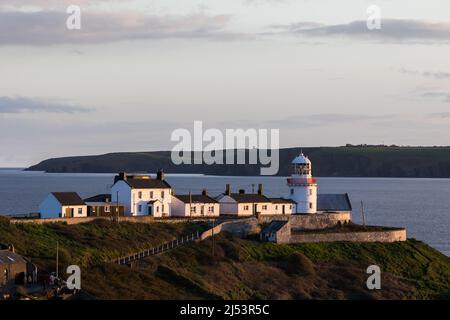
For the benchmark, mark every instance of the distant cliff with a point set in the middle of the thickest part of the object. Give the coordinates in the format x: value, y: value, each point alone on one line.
x: 348, y: 161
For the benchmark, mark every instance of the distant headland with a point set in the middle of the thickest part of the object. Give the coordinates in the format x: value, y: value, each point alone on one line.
x: 344, y: 161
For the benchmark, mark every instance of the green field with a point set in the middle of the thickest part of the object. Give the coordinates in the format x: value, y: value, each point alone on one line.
x: 239, y: 268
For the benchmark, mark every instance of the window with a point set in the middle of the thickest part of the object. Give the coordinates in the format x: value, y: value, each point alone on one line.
x: 140, y: 208
x: 140, y: 194
x: 80, y: 210
x: 246, y: 208
x: 310, y: 192
x: 264, y: 207
x: 107, y: 209
x: 193, y: 209
x: 162, y: 194
x: 290, y: 207
x: 310, y: 205
x: 292, y: 191
x: 157, y: 208
x: 151, y: 194
x: 276, y: 207
x: 211, y: 209
x: 162, y: 208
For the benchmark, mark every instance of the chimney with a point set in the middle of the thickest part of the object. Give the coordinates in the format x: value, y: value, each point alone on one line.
x: 204, y: 192
x: 160, y: 175
x: 227, y: 190
x: 241, y: 191
x: 120, y: 176
x: 260, y: 189
x: 11, y: 248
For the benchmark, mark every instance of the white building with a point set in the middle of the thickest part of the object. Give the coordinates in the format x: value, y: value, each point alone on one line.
x: 244, y: 204
x: 63, y: 205
x: 282, y: 206
x: 143, y: 195
x: 302, y: 186
x: 194, y: 205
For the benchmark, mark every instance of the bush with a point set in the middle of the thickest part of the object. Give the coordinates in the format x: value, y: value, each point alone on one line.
x: 298, y: 264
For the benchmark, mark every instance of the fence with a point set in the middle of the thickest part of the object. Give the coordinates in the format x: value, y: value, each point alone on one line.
x: 159, y: 249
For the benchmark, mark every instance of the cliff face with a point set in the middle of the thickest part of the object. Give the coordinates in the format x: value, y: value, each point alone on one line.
x: 363, y: 161
x: 239, y: 268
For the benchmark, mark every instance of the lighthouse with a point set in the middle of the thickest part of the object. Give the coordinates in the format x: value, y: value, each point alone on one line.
x: 302, y: 186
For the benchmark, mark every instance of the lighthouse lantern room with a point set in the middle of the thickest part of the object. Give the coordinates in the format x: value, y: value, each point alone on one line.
x: 302, y: 186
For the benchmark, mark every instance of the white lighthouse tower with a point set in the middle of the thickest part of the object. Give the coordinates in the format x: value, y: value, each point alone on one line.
x: 303, y: 187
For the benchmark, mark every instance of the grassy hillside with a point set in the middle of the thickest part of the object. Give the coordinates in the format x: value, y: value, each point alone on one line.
x: 350, y: 161
x: 239, y: 269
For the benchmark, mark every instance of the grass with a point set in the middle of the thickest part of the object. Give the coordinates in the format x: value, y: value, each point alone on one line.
x: 239, y: 268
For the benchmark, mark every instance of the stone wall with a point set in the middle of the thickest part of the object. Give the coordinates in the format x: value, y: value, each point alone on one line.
x: 312, y: 221
x: 284, y: 234
x: 238, y: 227
x: 370, y: 236
x: 136, y: 219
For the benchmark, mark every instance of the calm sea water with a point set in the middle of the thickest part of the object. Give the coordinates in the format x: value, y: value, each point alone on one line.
x: 420, y: 205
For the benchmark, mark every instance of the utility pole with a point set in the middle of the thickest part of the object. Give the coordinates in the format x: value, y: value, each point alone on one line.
x: 117, y: 205
x: 362, y: 213
x: 213, y: 242
x: 57, y: 259
x: 190, y: 203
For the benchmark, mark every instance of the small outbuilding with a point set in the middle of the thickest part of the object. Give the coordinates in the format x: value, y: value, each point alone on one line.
x: 101, y: 206
x: 195, y: 205
x: 278, y: 231
x: 283, y: 206
x: 63, y: 205
x: 13, y: 269
x: 327, y: 203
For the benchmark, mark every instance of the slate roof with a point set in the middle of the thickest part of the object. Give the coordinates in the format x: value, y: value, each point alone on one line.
x: 147, y: 183
x: 282, y: 200
x: 274, y: 226
x: 8, y: 257
x: 195, y: 198
x: 249, y: 197
x: 68, y: 198
x: 99, y: 198
x: 333, y: 202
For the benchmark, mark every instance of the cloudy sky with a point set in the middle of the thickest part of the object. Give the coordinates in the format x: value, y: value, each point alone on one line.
x: 139, y: 69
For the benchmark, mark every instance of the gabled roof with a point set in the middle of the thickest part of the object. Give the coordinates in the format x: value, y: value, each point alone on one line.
x: 195, y: 198
x: 333, y: 202
x: 249, y: 197
x: 9, y: 257
x: 99, y: 198
x: 274, y: 226
x: 147, y: 183
x: 68, y: 198
x: 282, y: 200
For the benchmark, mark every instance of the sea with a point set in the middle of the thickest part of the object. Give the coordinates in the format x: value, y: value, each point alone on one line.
x: 420, y: 205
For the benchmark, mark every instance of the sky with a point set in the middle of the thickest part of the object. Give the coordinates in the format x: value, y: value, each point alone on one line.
x: 137, y: 70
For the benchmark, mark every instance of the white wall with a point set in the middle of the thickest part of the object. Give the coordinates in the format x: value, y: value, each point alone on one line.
x: 228, y: 205
x: 150, y: 195
x: 289, y: 208
x: 157, y: 209
x: 122, y: 190
x: 178, y: 208
x: 131, y: 200
x: 78, y: 211
x: 181, y: 209
x: 51, y: 208
x: 304, y: 196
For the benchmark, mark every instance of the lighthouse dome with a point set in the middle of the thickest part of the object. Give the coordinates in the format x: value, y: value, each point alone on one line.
x: 301, y: 159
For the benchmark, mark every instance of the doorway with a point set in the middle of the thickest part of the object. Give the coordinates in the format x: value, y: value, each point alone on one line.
x: 69, y: 212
